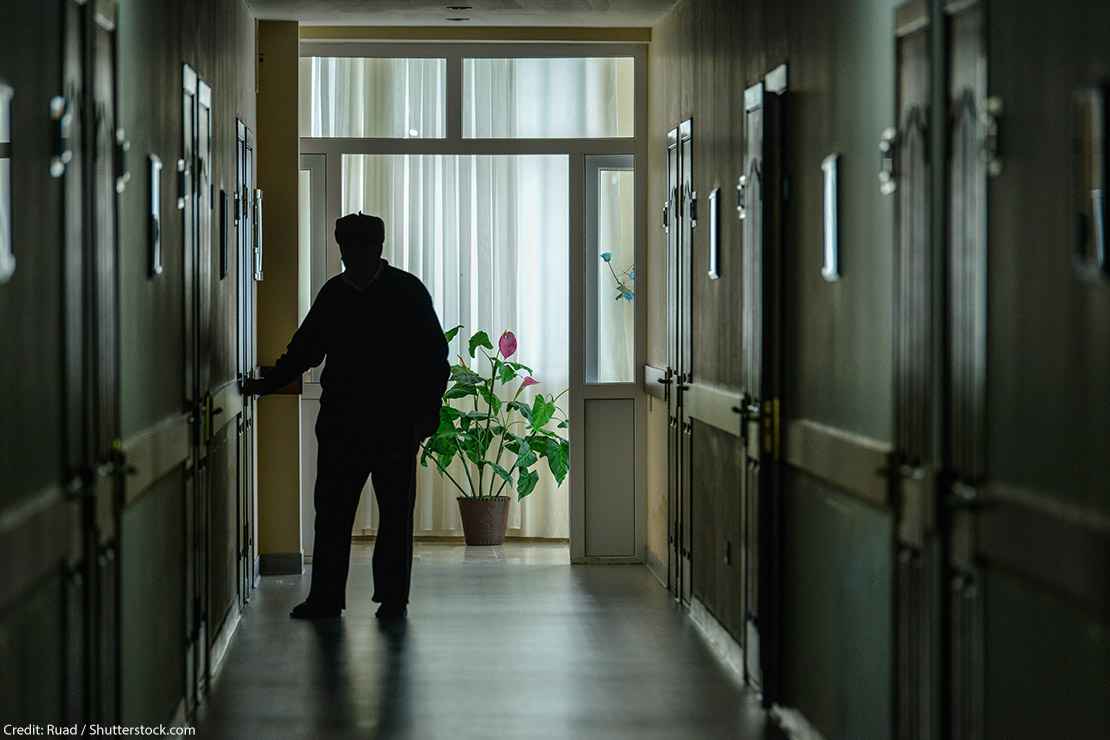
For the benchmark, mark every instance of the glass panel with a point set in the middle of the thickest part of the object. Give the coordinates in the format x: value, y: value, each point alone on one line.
x: 373, y: 98
x: 611, y: 241
x: 489, y: 236
x: 548, y: 98
x: 7, y: 260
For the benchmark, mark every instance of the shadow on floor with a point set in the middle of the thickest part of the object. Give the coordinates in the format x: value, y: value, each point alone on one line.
x: 510, y: 642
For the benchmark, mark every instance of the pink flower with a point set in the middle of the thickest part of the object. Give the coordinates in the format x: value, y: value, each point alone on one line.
x: 529, y: 380
x: 507, y: 344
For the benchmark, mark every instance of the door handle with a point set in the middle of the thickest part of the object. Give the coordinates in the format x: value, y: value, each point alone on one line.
x: 741, y: 195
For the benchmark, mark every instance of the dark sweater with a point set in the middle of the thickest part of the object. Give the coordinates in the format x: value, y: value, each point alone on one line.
x: 386, y: 355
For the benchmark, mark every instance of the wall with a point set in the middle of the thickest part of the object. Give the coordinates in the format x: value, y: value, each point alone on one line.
x: 837, y: 335
x: 102, y: 633
x: 1034, y: 561
x: 278, y: 415
x: 216, y: 38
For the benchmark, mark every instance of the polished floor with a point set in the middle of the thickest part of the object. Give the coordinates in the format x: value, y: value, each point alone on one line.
x: 502, y: 642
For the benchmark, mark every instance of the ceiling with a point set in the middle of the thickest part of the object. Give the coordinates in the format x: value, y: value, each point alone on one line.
x: 585, y: 13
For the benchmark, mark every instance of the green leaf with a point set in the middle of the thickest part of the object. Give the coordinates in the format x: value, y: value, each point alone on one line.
x: 459, y: 391
x: 526, y: 483
x: 518, y: 367
x: 501, y: 473
x: 443, y: 459
x: 557, y: 453
x: 465, y: 376
x: 506, y: 374
x: 525, y: 457
x: 479, y: 339
x: 522, y: 408
x: 562, y: 424
x: 542, y: 411
x: 475, y: 415
x: 493, y: 401
x: 451, y: 333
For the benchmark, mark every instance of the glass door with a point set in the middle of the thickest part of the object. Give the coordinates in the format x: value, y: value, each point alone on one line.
x: 607, y: 520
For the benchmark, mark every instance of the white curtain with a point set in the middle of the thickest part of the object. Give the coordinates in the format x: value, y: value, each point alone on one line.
x: 488, y: 235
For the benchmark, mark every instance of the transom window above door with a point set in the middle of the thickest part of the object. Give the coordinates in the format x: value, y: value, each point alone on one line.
x: 552, y: 98
x: 527, y: 94
x: 361, y: 97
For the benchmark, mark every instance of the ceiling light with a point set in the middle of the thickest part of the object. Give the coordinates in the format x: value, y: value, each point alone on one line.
x: 460, y: 7
x: 456, y: 20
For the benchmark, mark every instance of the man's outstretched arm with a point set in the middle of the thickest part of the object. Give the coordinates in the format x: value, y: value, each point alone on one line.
x: 305, y: 350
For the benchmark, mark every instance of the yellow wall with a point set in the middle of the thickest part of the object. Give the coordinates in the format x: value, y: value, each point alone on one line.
x: 279, y: 521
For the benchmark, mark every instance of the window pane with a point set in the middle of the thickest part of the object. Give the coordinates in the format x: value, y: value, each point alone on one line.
x: 490, y: 237
x: 548, y: 98
x: 610, y: 336
x: 375, y: 98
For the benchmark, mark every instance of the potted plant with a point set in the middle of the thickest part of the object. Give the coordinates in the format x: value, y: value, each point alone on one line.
x: 497, y: 436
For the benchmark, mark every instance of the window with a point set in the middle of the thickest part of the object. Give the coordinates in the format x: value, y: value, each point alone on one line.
x: 373, y: 98
x: 610, y: 269
x: 548, y: 98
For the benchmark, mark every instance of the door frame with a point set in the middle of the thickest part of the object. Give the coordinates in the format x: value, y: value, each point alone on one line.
x: 576, y: 150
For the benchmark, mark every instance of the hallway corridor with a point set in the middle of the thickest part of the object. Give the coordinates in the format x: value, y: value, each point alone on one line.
x: 501, y: 642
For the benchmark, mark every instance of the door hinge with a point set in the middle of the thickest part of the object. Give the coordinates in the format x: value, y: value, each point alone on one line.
x: 123, y: 173
x: 989, y: 124
x: 888, y: 153
x: 61, y: 116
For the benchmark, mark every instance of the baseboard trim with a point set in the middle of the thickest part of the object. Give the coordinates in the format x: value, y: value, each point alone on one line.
x: 656, y: 567
x: 223, y: 639
x: 794, y: 724
x: 281, y: 564
x: 180, y: 716
x: 721, y: 642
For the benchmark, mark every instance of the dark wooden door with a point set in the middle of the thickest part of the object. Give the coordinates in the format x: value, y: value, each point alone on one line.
x: 965, y: 323
x: 906, y: 176
x: 761, y: 210
x: 107, y: 180
x: 684, y: 431
x: 244, y: 221
x: 679, y: 222
x: 193, y: 515
x: 52, y: 648
x: 670, y: 222
x: 77, y: 353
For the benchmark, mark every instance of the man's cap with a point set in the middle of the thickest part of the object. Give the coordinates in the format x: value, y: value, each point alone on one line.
x: 355, y: 228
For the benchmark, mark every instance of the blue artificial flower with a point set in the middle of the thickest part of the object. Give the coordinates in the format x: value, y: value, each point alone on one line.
x: 631, y: 273
x: 627, y: 295
x: 607, y: 256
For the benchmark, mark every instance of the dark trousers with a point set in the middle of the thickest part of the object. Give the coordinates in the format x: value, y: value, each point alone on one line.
x: 346, y: 459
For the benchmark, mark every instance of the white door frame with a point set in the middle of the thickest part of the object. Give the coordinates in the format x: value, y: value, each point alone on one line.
x: 576, y: 151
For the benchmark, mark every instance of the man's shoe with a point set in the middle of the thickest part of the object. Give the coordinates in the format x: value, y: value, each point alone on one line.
x: 391, y: 612
x: 308, y: 610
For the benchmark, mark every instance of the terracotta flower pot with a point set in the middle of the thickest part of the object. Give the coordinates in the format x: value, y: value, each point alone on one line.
x: 484, y: 519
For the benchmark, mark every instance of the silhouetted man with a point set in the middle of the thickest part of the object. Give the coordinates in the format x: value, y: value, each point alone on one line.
x: 382, y: 385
